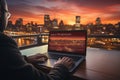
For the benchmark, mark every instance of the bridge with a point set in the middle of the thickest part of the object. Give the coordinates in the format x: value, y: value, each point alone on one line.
x: 41, y: 39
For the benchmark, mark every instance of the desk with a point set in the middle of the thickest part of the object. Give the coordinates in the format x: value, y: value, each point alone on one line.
x: 100, y: 64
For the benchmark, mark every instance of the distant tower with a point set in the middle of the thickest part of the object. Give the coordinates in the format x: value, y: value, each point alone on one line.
x: 61, y: 25
x: 10, y: 25
x: 77, y: 19
x: 98, y: 21
x: 19, y: 23
x: 31, y: 23
x: 55, y: 24
x: 46, y: 20
x: 77, y: 24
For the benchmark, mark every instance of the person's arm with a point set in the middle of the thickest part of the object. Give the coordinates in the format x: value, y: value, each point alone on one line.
x: 13, y: 63
x: 36, y: 58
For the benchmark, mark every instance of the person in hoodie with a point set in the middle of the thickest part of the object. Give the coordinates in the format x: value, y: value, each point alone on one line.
x: 14, y: 66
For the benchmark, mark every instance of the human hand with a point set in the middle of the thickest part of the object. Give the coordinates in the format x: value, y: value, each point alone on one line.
x: 37, y: 58
x: 66, y: 61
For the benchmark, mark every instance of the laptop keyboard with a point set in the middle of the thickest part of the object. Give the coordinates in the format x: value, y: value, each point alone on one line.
x: 56, y: 56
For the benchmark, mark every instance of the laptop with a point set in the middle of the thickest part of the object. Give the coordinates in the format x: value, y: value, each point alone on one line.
x: 66, y: 43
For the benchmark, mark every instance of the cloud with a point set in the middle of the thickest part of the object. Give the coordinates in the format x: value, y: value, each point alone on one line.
x: 52, y: 0
x: 14, y: 2
x: 65, y: 9
x: 93, y: 3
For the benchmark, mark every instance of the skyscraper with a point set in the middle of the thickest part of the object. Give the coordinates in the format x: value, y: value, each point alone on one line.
x: 19, y: 23
x: 46, y: 20
x: 77, y: 24
x: 55, y: 24
x: 98, y: 21
x: 61, y: 25
x: 77, y: 19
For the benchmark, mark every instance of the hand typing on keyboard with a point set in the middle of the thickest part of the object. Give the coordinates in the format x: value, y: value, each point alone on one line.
x: 37, y: 58
x: 66, y: 61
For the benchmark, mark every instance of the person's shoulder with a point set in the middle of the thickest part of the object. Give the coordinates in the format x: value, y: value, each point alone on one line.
x: 4, y: 38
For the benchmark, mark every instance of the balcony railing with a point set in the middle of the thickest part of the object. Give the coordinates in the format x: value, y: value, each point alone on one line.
x: 100, y: 41
x: 26, y: 41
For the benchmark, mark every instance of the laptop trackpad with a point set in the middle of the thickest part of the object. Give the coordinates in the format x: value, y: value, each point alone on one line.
x: 49, y: 63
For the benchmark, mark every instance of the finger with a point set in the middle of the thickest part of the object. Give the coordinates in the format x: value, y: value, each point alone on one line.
x: 72, y: 63
x: 64, y: 58
x: 59, y: 59
x: 67, y: 59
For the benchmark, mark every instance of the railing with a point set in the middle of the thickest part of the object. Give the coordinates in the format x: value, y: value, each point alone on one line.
x: 100, y: 41
x: 26, y: 41
x: 108, y: 42
x: 104, y: 36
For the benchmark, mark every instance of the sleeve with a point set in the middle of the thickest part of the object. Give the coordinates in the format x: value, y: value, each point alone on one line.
x: 16, y: 68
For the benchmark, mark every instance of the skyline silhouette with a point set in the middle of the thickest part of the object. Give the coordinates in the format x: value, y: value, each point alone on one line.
x: 66, y: 10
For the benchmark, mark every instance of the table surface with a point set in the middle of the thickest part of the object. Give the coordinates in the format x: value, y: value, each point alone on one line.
x: 100, y: 64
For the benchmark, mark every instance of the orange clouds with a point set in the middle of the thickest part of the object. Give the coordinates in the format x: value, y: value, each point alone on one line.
x: 108, y: 11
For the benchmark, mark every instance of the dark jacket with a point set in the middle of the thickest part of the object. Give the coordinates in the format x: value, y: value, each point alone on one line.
x: 14, y: 67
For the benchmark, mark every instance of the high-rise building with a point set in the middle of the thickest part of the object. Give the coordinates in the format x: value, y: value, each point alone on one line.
x: 98, y: 21
x: 19, y: 23
x: 77, y: 24
x: 46, y: 20
x: 55, y: 24
x: 10, y: 25
x: 61, y: 25
x: 77, y: 19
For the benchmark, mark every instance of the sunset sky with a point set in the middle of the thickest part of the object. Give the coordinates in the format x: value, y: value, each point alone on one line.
x: 66, y: 10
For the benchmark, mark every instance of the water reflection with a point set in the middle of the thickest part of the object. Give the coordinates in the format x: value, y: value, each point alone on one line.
x: 25, y: 41
x: 44, y: 39
x: 106, y: 43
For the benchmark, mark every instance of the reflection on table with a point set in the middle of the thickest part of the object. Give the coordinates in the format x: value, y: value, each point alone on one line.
x: 100, y: 64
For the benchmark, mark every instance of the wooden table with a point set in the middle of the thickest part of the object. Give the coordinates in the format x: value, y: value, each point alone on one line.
x: 100, y: 64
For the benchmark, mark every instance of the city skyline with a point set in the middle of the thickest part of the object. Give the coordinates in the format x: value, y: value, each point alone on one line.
x: 66, y: 10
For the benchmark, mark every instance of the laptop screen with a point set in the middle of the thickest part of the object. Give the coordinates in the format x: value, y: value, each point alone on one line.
x: 68, y: 41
